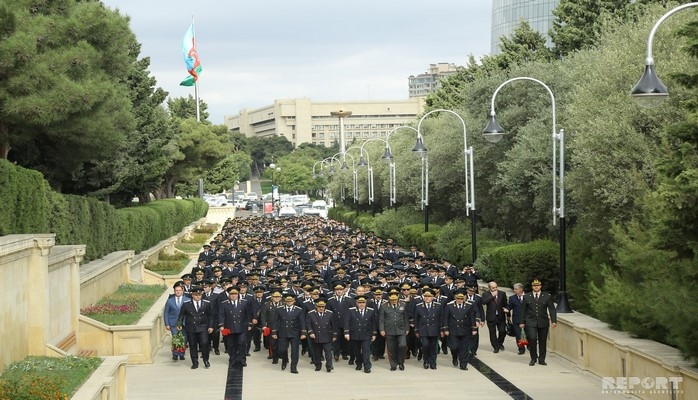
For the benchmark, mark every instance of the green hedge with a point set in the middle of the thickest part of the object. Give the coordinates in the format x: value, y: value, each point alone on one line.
x: 522, y: 263
x: 30, y: 206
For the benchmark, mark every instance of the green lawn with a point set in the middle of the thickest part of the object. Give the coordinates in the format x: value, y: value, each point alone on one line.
x: 55, y: 378
x: 195, y: 244
x: 169, y: 265
x: 125, y: 306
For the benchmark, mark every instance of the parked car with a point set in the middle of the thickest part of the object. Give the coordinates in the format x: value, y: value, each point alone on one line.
x: 319, y: 208
x: 287, y: 212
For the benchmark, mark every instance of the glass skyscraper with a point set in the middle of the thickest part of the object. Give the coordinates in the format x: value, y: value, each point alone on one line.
x: 507, y: 14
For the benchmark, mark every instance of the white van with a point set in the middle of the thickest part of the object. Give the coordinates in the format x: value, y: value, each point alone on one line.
x: 319, y: 208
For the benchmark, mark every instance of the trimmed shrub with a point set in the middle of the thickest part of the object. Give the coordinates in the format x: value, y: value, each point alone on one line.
x: 524, y: 262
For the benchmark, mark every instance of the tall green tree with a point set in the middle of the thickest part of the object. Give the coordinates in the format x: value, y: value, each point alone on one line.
x: 184, y: 108
x: 62, y: 99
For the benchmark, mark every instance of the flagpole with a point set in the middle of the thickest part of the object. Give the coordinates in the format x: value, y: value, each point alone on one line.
x: 196, y: 98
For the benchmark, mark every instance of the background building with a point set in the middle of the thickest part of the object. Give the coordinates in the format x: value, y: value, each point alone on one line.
x: 305, y: 121
x: 507, y: 14
x: 428, y: 82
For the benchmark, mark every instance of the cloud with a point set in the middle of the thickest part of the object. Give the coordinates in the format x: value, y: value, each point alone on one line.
x: 255, y: 52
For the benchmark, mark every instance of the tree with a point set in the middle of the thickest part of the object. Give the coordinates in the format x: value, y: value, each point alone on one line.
x: 232, y: 168
x: 267, y: 149
x: 63, y: 102
x: 184, y: 108
x: 200, y: 147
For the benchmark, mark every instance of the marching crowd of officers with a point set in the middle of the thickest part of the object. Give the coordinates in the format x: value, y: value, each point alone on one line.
x: 317, y: 287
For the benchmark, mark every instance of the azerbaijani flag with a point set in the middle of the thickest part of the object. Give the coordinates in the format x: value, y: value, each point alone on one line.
x: 191, y: 58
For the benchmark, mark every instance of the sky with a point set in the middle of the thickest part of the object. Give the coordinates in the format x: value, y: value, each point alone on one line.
x: 255, y: 52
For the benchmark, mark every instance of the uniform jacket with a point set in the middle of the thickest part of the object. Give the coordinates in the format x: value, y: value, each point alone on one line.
x: 196, y: 321
x: 322, y: 327
x: 394, y: 321
x: 427, y: 320
x: 495, y: 306
x: 288, y: 324
x: 172, y: 311
x: 338, y: 308
x: 237, y: 319
x: 534, y: 313
x: 460, y: 321
x: 268, y: 310
x: 477, y: 301
x: 360, y: 327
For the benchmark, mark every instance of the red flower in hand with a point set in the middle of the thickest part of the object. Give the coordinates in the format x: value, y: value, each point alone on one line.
x: 225, y: 331
x: 266, y: 331
x: 522, y: 342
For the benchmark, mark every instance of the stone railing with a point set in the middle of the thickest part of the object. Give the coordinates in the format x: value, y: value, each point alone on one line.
x: 108, y: 382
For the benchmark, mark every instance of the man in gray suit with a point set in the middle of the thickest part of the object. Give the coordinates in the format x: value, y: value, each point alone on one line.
x: 393, y: 325
x: 322, y: 332
x: 535, y: 308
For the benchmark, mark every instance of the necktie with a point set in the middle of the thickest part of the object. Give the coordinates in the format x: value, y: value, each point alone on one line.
x: 460, y: 306
x: 321, y: 314
x: 179, y: 301
x: 536, y: 296
x: 197, y: 306
x: 520, y: 298
x: 288, y: 309
x: 362, y: 313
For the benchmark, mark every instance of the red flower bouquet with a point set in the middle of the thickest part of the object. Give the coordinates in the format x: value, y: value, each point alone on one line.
x: 266, y: 331
x: 523, y: 341
x: 225, y: 331
x: 179, y: 343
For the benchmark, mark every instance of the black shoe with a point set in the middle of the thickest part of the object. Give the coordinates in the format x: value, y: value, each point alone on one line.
x: 381, y: 357
x: 175, y: 358
x: 275, y: 362
x: 244, y: 364
x: 522, y: 350
x: 455, y: 361
x: 367, y: 370
x: 474, y: 353
x: 318, y: 367
x: 532, y: 363
x: 218, y: 352
x: 496, y: 350
x: 294, y: 371
x: 207, y: 364
x: 419, y: 356
x: 304, y: 351
x: 374, y: 358
x: 358, y: 368
x: 464, y: 367
x: 345, y: 357
x: 256, y: 349
x: 401, y: 366
x: 194, y: 366
x: 444, y: 350
x: 426, y: 366
x: 284, y: 364
x: 329, y: 369
x: 501, y: 347
x: 393, y: 368
x: 336, y: 358
x: 542, y: 363
x: 247, y: 354
x: 269, y: 357
x: 181, y: 357
x: 433, y: 366
x: 351, y: 362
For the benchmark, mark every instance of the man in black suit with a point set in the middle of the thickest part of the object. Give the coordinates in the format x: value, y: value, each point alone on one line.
x: 321, y: 331
x: 236, y: 315
x: 360, y: 329
x: 473, y: 297
x: 198, y: 324
x: 534, y: 312
x: 288, y: 326
x: 497, y: 310
x: 460, y: 320
x: 515, y: 301
x: 427, y: 327
x: 215, y: 335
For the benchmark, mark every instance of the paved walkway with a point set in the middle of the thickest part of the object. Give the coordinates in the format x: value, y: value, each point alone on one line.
x: 167, y: 379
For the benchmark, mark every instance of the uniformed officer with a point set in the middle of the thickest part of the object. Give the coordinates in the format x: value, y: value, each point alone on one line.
x: 267, y: 313
x: 534, y: 313
x: 321, y: 331
x: 427, y: 327
x: 237, y: 317
x: 360, y: 329
x: 393, y: 325
x: 288, y: 325
x: 198, y: 324
x: 460, y: 319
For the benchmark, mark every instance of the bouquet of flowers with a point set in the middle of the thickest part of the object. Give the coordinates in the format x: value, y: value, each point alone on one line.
x: 266, y: 331
x: 225, y: 331
x: 179, y: 343
x: 523, y: 341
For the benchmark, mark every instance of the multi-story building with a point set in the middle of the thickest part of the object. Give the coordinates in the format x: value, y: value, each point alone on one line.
x: 428, y: 82
x: 305, y: 121
x: 507, y: 15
